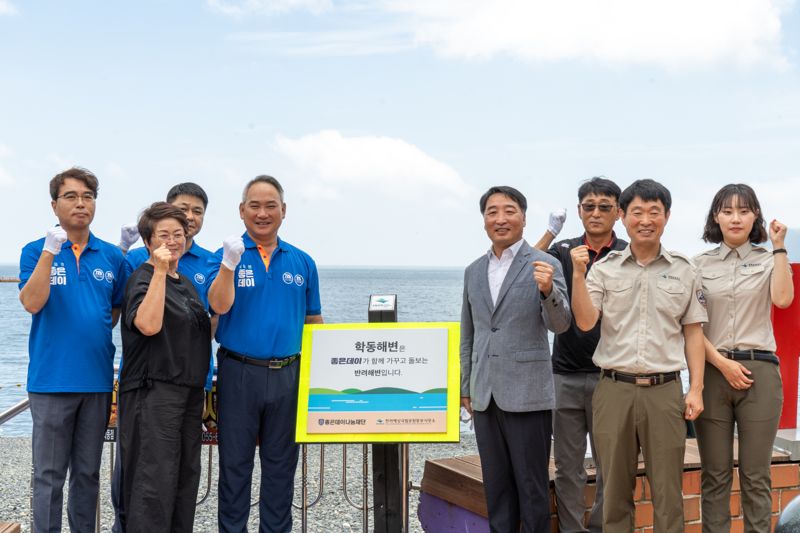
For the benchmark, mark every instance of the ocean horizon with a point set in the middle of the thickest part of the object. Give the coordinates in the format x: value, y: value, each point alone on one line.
x: 424, y: 294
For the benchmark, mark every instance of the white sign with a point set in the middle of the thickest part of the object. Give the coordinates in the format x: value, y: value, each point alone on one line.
x: 378, y: 380
x: 382, y: 302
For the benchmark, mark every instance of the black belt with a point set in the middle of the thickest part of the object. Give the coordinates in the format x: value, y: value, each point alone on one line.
x: 641, y: 380
x: 275, y: 363
x: 751, y: 355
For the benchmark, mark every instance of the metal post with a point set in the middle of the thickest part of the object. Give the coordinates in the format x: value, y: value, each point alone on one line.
x: 210, y: 472
x: 386, y: 483
x: 404, y: 460
x: 365, y: 488
x: 304, y: 489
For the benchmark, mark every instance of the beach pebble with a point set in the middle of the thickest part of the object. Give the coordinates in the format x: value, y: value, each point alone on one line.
x: 332, y: 513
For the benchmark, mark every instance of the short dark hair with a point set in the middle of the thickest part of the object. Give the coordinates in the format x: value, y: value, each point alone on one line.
x: 511, y: 192
x: 76, y: 173
x: 157, y: 212
x: 648, y: 190
x: 190, y: 189
x: 263, y: 178
x: 599, y: 185
x: 724, y: 198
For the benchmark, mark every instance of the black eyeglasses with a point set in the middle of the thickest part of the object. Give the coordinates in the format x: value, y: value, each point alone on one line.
x: 87, y: 197
x: 604, y: 208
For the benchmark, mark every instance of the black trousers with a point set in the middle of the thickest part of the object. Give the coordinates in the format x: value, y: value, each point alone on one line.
x: 160, y: 430
x: 515, y: 456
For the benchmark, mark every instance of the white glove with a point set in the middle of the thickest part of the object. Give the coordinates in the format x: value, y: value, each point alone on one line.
x: 556, y: 221
x: 56, y: 236
x: 128, y: 234
x: 232, y: 250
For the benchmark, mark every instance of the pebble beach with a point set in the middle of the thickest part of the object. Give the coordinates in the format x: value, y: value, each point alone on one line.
x: 333, y: 514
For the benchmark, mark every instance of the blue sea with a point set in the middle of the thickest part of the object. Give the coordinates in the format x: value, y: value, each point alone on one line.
x: 423, y: 295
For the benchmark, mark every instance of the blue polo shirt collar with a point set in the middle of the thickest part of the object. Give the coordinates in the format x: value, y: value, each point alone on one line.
x: 92, y: 243
x: 250, y: 243
x: 193, y: 249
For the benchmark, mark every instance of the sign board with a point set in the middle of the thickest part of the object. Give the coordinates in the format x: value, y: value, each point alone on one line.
x: 380, y: 382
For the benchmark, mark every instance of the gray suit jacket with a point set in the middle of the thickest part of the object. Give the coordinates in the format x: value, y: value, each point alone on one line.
x: 505, y: 352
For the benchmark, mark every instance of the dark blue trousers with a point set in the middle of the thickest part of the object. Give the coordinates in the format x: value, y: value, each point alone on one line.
x: 515, y: 456
x: 256, y: 404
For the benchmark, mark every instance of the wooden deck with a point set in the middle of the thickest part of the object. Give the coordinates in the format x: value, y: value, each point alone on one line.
x: 458, y: 480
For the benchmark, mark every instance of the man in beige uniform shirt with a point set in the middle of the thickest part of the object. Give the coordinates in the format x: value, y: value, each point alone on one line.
x: 652, y: 305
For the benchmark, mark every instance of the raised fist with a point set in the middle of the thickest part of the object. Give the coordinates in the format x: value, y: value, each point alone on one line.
x: 55, y: 237
x: 128, y: 234
x: 232, y: 250
x: 161, y: 257
x: 543, y: 274
x: 580, y: 259
x: 556, y: 221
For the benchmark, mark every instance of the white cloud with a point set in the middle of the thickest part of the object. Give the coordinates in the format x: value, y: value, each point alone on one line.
x: 671, y: 34
x: 260, y: 7
x: 7, y: 8
x: 391, y: 166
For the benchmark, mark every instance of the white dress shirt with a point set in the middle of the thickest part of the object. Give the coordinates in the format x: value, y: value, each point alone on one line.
x: 498, y: 267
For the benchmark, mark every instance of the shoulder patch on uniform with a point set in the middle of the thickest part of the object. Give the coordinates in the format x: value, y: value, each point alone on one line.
x: 701, y: 297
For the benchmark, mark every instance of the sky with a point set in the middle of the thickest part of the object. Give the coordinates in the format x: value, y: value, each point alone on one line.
x: 385, y: 120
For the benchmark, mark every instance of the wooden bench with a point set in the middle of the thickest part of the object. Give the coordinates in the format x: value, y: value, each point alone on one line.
x: 452, y: 497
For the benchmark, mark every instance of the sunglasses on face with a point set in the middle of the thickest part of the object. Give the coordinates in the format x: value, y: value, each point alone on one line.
x: 604, y: 208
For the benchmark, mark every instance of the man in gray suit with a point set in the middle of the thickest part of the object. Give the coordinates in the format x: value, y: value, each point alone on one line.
x: 513, y: 294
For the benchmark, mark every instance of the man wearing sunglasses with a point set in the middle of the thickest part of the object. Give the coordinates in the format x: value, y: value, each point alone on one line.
x: 574, y: 374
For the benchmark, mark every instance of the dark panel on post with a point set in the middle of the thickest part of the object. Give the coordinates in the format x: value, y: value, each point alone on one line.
x: 386, y: 474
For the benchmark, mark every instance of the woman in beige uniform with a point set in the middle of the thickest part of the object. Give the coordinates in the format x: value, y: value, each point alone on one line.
x: 741, y: 282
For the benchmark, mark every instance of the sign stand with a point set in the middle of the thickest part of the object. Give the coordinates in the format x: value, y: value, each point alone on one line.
x: 389, y: 495
x: 380, y: 384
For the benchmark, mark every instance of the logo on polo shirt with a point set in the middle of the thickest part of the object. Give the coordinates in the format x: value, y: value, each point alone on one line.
x: 58, y: 274
x: 98, y: 274
x: 199, y: 278
x: 109, y: 276
x: 246, y: 277
x: 298, y: 280
x: 288, y: 278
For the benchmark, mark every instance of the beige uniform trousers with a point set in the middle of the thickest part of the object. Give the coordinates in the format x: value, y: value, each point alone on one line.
x: 756, y: 412
x: 628, y: 417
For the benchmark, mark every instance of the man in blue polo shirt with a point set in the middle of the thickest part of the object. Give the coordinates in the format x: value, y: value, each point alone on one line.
x: 72, y: 283
x: 193, y: 201
x: 264, y: 290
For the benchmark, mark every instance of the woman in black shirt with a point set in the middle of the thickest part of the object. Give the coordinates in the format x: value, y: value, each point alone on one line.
x: 166, y: 340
